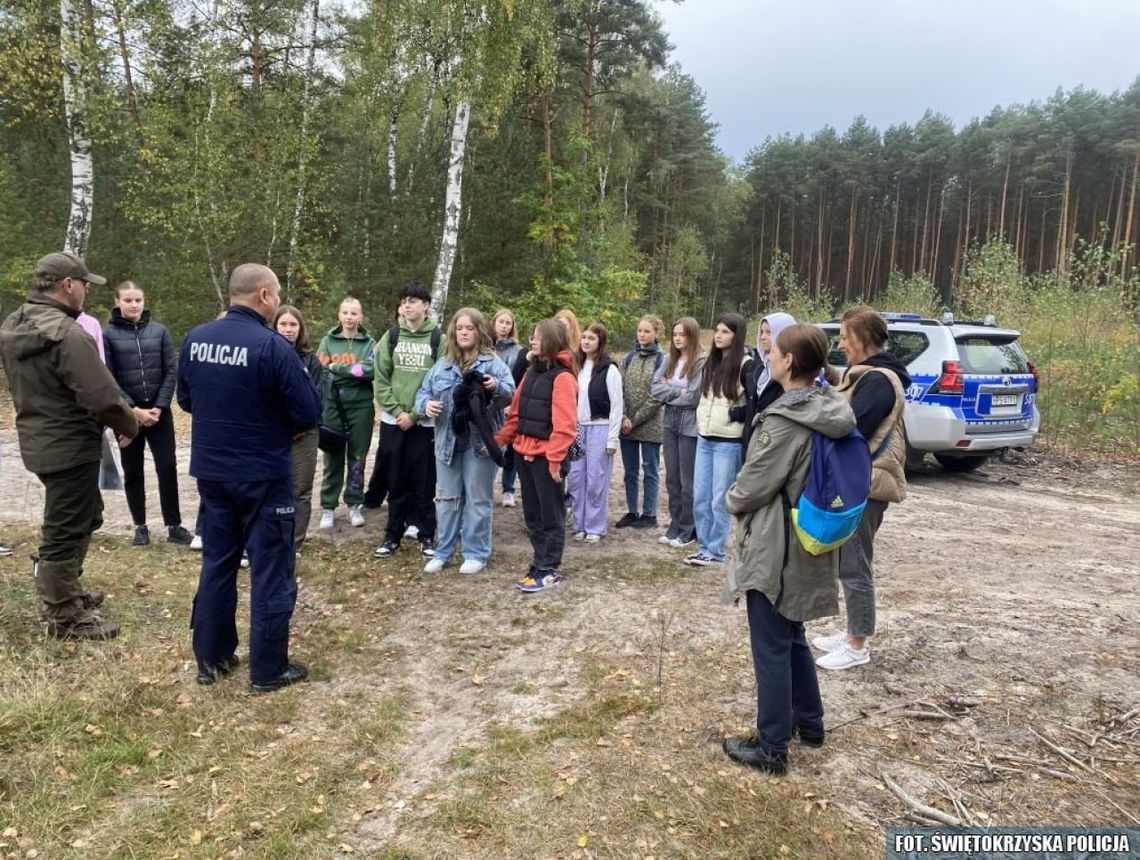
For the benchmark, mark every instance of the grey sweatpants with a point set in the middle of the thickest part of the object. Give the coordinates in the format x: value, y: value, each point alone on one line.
x: 857, y: 572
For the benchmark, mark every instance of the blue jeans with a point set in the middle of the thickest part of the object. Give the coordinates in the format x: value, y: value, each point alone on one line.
x: 635, y: 453
x: 463, y: 503
x: 787, y: 689
x: 715, y: 469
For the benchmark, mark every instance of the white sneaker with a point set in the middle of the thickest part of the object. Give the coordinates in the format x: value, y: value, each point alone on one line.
x: 830, y: 643
x: 472, y: 565
x: 593, y: 538
x: 196, y: 543
x: 677, y: 543
x: 356, y: 516
x: 327, y: 518
x: 412, y: 531
x: 844, y: 657
x: 579, y: 535
x: 508, y: 500
x: 665, y: 539
x: 434, y: 566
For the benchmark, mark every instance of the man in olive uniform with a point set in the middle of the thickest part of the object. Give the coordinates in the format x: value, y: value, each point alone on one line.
x: 64, y: 396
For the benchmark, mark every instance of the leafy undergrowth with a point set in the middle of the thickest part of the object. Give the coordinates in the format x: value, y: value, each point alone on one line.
x: 456, y: 722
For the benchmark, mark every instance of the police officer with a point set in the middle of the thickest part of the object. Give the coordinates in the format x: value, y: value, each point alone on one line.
x: 63, y: 396
x: 249, y: 395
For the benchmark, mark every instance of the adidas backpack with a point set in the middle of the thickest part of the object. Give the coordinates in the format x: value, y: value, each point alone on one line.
x: 834, y: 494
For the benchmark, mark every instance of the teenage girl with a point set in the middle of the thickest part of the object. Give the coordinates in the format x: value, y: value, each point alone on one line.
x: 291, y: 325
x: 677, y: 384
x: 718, y: 440
x: 140, y: 355
x: 464, y: 467
x: 348, y: 354
x: 542, y: 425
x: 507, y: 348
x: 641, y: 425
x: 600, y: 416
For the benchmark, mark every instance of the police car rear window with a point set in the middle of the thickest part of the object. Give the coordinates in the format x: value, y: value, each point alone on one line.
x: 906, y: 346
x: 990, y: 356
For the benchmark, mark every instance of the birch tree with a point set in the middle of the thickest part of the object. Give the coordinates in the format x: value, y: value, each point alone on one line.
x: 75, y: 49
x: 302, y: 158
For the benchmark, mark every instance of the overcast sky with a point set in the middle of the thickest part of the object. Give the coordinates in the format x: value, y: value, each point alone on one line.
x: 775, y: 66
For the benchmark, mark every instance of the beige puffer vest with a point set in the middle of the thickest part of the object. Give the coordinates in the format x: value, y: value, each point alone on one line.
x: 888, y: 473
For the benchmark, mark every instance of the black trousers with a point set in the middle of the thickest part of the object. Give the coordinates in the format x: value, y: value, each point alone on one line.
x: 160, y: 438
x: 377, y: 490
x: 544, y: 511
x: 410, y: 458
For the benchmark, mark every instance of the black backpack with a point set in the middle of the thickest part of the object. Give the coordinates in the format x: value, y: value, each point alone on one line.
x: 394, y: 337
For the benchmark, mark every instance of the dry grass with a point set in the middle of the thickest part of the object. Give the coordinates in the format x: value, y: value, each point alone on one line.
x: 111, y: 750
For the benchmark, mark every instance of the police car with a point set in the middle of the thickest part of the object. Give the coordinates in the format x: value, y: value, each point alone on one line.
x: 973, y: 391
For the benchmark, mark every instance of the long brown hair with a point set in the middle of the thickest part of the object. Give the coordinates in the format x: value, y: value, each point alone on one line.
x: 692, y: 349
x: 553, y: 339
x: 484, y: 343
x: 722, y: 372
x: 575, y: 328
x: 302, y: 343
x: 514, y: 332
x: 601, y: 358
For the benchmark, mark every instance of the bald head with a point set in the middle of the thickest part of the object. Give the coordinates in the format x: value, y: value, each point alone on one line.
x: 255, y: 286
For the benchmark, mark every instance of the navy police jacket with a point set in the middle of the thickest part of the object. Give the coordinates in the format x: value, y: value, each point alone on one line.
x: 249, y: 394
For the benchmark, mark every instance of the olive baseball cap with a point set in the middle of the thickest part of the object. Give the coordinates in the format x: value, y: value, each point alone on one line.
x: 61, y: 264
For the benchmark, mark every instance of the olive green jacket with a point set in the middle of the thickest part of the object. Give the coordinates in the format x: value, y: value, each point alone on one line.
x: 766, y: 555
x: 63, y: 394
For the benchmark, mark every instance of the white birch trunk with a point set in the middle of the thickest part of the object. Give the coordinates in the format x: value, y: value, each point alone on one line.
x: 393, y: 130
x: 302, y: 158
x: 72, y: 53
x: 453, y: 207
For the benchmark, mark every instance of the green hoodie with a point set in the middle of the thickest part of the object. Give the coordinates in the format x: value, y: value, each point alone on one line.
x: 400, y: 372
x: 350, y: 362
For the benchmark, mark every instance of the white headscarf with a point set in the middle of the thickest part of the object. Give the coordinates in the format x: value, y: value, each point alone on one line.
x: 777, y: 322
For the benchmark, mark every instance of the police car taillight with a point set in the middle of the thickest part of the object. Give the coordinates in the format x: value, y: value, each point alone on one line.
x: 950, y: 382
x: 1036, y: 375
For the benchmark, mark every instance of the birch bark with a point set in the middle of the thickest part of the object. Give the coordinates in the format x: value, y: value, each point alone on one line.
x: 303, y: 153
x: 453, y: 207
x: 75, y: 92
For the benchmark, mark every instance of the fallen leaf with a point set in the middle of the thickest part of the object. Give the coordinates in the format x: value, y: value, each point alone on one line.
x: 196, y: 837
x: 582, y: 841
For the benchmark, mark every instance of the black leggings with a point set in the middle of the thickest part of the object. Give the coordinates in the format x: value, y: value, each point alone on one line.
x: 160, y: 438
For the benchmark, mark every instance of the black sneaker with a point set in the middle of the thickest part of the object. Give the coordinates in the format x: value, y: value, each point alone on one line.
x: 142, y: 536
x: 748, y: 751
x: 179, y: 535
x: 294, y: 673
x: 5, y: 550
x: 427, y: 547
x: 387, y: 549
x: 92, y: 599
x: 209, y: 674
x: 626, y: 521
x: 644, y: 522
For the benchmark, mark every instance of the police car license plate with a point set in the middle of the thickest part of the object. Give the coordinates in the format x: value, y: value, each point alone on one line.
x: 1004, y: 400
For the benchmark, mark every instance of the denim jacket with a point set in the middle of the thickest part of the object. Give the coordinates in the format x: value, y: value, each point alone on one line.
x: 440, y: 383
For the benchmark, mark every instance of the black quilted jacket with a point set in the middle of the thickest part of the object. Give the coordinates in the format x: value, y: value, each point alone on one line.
x: 140, y: 355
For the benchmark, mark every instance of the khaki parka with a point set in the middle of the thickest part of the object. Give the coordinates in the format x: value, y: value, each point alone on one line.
x: 766, y: 556
x: 62, y: 392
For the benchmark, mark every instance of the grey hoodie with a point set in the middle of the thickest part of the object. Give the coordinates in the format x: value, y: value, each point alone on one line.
x: 766, y: 555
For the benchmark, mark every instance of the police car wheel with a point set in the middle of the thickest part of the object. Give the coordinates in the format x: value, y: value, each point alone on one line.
x: 960, y: 464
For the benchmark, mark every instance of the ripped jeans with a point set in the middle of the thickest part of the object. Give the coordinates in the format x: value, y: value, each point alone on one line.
x: 463, y: 505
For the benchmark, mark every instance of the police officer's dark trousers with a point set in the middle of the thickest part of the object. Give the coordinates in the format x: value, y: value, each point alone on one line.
x: 258, y: 516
